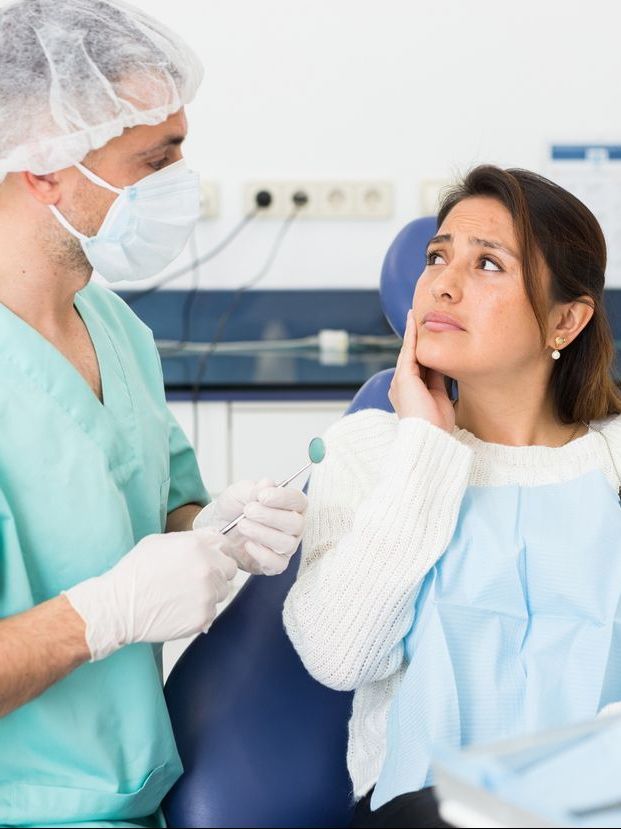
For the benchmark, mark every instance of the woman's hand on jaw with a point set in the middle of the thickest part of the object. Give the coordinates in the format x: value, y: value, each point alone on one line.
x: 417, y: 391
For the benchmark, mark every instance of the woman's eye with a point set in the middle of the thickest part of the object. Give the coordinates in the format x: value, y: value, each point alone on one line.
x: 433, y: 258
x: 494, y: 265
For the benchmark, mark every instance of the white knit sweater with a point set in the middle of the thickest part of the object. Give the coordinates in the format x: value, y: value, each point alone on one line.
x: 366, y: 547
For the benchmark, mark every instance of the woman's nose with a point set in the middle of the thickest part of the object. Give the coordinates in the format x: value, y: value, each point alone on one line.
x: 447, y: 285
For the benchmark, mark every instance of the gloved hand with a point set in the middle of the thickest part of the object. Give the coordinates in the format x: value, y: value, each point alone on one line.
x: 166, y: 587
x: 263, y: 541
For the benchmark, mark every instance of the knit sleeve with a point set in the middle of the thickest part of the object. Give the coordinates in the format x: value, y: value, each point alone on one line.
x: 372, y: 535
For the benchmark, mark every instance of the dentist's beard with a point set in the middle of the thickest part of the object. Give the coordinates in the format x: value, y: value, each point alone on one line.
x: 65, y: 251
x: 86, y: 212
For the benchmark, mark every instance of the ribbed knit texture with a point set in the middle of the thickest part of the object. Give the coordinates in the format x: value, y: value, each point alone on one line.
x: 383, y: 508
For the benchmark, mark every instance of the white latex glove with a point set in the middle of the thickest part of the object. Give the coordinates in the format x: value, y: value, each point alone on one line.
x: 264, y: 541
x: 167, y: 587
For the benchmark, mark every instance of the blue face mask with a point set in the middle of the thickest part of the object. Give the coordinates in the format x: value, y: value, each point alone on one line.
x: 146, y: 227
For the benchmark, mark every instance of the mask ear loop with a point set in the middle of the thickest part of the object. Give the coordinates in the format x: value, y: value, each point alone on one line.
x: 96, y: 180
x: 68, y: 227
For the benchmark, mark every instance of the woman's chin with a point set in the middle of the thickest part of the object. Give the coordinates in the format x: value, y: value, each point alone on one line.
x: 436, y: 358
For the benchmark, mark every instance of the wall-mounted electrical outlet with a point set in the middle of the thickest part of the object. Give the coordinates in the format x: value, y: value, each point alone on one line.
x: 210, y: 199
x: 326, y: 199
x: 252, y: 191
x: 373, y: 200
x: 282, y: 193
x: 430, y: 193
x: 335, y: 200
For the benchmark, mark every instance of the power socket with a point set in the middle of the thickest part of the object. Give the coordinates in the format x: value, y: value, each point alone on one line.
x: 282, y: 193
x: 327, y: 200
x: 430, y: 193
x: 210, y: 199
x: 335, y: 200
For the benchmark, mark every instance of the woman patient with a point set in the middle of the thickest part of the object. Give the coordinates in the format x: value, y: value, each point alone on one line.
x: 462, y: 563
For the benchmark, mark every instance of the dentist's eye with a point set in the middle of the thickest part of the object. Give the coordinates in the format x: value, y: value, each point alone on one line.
x: 432, y: 258
x: 494, y: 265
x: 157, y: 165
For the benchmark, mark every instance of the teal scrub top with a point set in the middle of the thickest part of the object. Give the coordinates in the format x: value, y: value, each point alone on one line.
x: 81, y: 483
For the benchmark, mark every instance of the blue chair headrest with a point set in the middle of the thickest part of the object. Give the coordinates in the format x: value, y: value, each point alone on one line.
x: 403, y: 264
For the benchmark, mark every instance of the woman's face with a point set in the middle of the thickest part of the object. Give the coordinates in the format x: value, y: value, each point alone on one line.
x: 474, y: 278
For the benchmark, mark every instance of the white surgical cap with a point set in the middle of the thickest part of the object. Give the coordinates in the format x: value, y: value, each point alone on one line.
x: 76, y: 73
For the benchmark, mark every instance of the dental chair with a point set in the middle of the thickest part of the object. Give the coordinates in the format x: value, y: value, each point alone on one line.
x: 262, y: 743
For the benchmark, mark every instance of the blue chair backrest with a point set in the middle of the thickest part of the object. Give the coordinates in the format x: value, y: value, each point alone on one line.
x: 262, y: 743
x: 403, y: 264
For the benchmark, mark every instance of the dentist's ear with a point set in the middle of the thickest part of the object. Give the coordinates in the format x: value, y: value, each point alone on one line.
x: 44, y: 188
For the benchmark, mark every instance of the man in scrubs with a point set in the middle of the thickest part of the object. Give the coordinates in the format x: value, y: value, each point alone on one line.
x: 106, y: 543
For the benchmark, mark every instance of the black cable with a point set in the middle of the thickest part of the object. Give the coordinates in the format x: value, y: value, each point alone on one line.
x: 190, y: 298
x: 186, y: 317
x: 201, y: 260
x: 228, y: 313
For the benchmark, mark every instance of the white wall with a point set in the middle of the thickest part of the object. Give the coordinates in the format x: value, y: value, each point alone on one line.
x: 403, y: 90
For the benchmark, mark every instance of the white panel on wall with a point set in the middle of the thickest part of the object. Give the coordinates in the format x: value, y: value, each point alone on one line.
x: 396, y: 90
x: 213, y: 440
x: 270, y: 441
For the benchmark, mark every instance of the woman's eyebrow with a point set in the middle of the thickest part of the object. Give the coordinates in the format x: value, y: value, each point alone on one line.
x: 486, y: 243
x: 443, y: 237
x: 474, y: 240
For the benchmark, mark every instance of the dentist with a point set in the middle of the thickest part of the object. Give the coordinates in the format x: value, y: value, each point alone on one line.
x: 107, y: 546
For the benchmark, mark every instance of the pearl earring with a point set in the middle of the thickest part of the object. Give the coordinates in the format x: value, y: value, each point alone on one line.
x: 558, y: 341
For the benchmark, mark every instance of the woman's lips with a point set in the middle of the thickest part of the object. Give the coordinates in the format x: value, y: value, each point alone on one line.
x: 433, y: 325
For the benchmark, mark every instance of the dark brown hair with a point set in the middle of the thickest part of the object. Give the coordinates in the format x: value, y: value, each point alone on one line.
x: 553, y: 225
